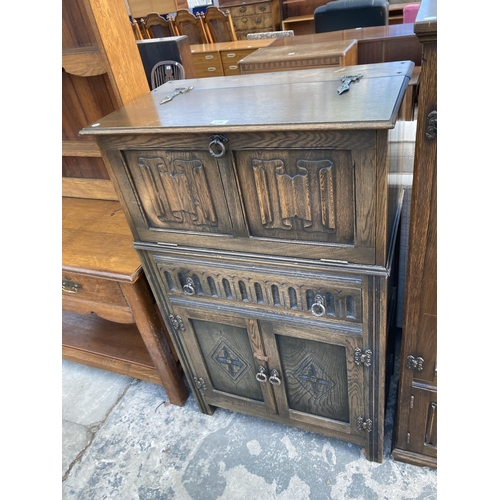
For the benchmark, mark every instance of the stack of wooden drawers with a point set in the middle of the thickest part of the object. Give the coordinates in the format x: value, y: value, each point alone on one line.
x: 265, y: 213
x: 253, y: 16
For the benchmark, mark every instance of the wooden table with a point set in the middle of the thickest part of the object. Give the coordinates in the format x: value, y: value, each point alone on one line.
x: 375, y: 44
x: 110, y: 319
x: 304, y: 56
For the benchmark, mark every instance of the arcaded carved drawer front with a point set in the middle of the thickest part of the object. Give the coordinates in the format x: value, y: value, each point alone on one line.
x: 77, y: 286
x: 339, y: 300
x: 179, y: 190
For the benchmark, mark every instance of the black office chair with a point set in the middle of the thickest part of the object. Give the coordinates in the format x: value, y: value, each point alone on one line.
x: 349, y: 14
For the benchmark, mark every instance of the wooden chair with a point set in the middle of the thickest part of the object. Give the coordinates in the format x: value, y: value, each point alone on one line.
x: 165, y: 71
x: 159, y: 27
x: 136, y: 30
x: 219, y: 25
x: 193, y: 27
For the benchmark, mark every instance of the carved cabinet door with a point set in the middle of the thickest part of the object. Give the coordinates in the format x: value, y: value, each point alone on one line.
x: 227, y: 360
x: 315, y: 376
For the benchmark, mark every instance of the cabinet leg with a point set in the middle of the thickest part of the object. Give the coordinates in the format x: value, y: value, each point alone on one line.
x: 154, y: 335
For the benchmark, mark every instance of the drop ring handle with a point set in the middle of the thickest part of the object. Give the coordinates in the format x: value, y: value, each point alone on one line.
x: 275, y: 377
x: 188, y: 288
x: 216, y: 145
x: 261, y: 375
x: 318, y: 308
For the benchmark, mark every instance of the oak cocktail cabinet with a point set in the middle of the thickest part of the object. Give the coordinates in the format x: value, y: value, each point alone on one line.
x: 265, y: 213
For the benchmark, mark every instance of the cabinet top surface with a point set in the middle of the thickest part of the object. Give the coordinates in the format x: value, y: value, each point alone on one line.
x: 299, y: 52
x: 281, y: 101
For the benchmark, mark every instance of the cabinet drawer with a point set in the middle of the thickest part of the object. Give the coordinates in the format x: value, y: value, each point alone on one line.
x: 259, y: 22
x: 207, y: 64
x: 230, y: 60
x: 326, y: 297
x: 250, y: 10
x: 77, y: 286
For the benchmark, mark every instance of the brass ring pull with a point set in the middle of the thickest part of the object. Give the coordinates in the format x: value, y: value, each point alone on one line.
x: 189, y: 287
x: 70, y: 286
x: 261, y: 375
x: 275, y: 377
x: 318, y: 308
x: 216, y: 146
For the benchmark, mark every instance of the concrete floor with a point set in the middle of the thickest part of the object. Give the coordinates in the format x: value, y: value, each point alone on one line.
x: 123, y: 440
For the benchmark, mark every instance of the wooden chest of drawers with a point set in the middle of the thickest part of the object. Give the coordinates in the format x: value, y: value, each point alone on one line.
x: 253, y: 16
x: 218, y: 59
x: 267, y: 232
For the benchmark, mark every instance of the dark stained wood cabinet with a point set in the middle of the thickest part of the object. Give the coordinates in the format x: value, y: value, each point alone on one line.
x: 267, y: 231
x: 416, y: 429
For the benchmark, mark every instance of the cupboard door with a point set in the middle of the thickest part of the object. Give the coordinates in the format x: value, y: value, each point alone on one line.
x: 303, y: 195
x: 316, y: 379
x: 179, y: 190
x: 227, y: 356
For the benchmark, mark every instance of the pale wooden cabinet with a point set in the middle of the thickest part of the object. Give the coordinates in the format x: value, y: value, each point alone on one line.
x: 267, y: 231
x: 253, y: 16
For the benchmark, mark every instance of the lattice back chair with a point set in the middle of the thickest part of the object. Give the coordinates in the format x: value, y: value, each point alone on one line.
x: 164, y: 71
x: 159, y: 27
x: 219, y: 25
x: 192, y: 26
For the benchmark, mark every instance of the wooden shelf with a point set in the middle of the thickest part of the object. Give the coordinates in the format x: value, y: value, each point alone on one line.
x: 80, y: 148
x: 103, y: 344
x: 84, y: 61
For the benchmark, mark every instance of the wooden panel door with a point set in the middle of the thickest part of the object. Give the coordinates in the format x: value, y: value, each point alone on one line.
x: 228, y: 361
x: 179, y: 190
x: 316, y: 379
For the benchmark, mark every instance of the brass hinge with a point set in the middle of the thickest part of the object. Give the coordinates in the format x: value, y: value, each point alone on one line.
x: 361, y: 357
x: 177, y: 322
x: 415, y: 363
x: 364, y: 425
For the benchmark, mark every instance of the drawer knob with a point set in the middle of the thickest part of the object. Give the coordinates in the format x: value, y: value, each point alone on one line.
x: 275, y: 377
x: 244, y: 19
x: 243, y: 9
x: 261, y: 375
x: 189, y: 287
x: 258, y: 21
x: 70, y: 286
x: 318, y: 308
x: 262, y: 8
x: 216, y: 145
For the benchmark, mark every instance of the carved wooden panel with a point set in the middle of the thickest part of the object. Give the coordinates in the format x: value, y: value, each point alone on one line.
x: 422, y: 425
x: 299, y: 194
x: 341, y: 300
x: 179, y: 190
x: 315, y: 377
x: 228, y: 358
